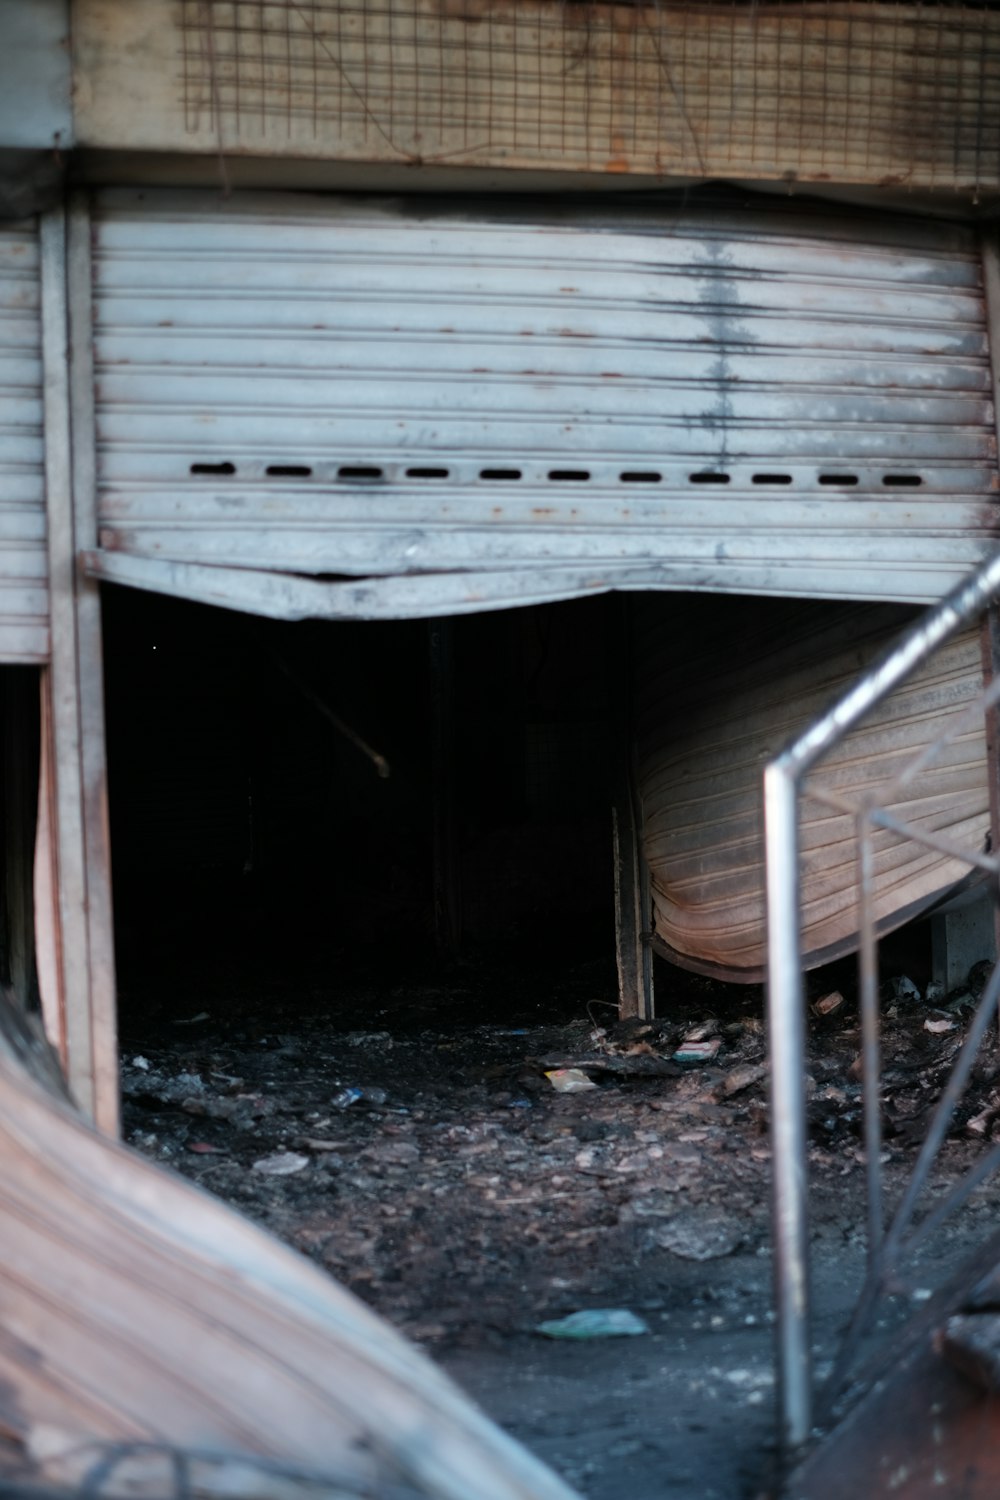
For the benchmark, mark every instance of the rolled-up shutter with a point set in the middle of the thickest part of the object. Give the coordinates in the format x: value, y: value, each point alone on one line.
x: 24, y: 628
x: 538, y: 401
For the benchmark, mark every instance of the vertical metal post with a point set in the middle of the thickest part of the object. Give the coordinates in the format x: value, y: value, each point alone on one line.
x: 782, y: 780
x: 633, y: 899
x: 61, y: 718
x: 74, y: 712
x: 786, y: 1022
x: 870, y: 1035
x: 648, y: 993
x: 90, y: 670
x: 991, y: 619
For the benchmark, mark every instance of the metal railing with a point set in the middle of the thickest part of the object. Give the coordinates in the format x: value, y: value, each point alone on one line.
x: 784, y: 780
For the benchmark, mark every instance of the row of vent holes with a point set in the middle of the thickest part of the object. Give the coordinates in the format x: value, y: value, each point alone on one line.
x: 578, y: 476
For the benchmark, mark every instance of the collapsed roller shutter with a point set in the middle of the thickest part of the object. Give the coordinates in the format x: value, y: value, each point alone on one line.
x: 463, y: 408
x: 722, y: 686
x: 24, y: 627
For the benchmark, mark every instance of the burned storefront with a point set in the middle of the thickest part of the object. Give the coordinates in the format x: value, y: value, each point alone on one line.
x: 454, y: 412
x: 444, y: 457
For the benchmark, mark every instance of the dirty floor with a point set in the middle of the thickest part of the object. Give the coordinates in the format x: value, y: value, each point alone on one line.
x: 408, y: 1137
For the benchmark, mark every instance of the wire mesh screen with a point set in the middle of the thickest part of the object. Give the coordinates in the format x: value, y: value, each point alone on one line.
x: 901, y: 93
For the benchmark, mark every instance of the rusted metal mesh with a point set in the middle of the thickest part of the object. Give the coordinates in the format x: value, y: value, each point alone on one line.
x: 860, y: 91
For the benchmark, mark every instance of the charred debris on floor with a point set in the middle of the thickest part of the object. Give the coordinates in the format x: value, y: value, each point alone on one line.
x: 434, y: 1164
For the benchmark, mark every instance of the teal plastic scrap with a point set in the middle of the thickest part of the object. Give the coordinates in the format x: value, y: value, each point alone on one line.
x: 594, y: 1323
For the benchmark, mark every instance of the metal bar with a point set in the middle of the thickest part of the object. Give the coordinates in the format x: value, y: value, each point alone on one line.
x: 644, y: 910
x: 963, y: 604
x: 990, y: 643
x: 628, y: 951
x: 985, y: 1013
x: 786, y: 1021
x: 990, y: 251
x: 888, y: 821
x: 889, y: 1251
x: 950, y: 1202
x: 969, y: 718
x: 870, y: 1043
x: 646, y: 974
x: 859, y: 1325
x: 633, y: 902
x: 786, y: 1017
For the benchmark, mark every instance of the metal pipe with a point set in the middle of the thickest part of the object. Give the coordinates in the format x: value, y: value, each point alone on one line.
x: 969, y: 721
x: 964, y: 603
x: 982, y: 1019
x: 892, y: 824
x: 871, y: 1050
x: 786, y: 1009
x: 786, y: 1022
x: 950, y: 1203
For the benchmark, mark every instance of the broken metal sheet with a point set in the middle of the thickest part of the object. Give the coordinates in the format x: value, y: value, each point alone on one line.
x: 738, y: 396
x: 144, y: 1320
x: 24, y: 600
x: 722, y: 685
x: 284, y: 596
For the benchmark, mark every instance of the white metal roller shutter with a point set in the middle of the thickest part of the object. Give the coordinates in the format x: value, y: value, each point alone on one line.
x: 753, y: 398
x: 24, y: 627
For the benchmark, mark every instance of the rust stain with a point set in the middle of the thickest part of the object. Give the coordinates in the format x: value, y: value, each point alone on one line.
x: 617, y: 164
x: 611, y: 375
x: 572, y: 333
x: 543, y: 510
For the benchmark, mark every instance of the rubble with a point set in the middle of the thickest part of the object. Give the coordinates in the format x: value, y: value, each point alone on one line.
x: 570, y: 1080
x: 695, y: 1235
x: 281, y: 1163
x: 433, y: 1168
x: 697, y: 1049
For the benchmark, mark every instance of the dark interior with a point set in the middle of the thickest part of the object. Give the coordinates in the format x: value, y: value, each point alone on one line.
x: 250, y: 830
